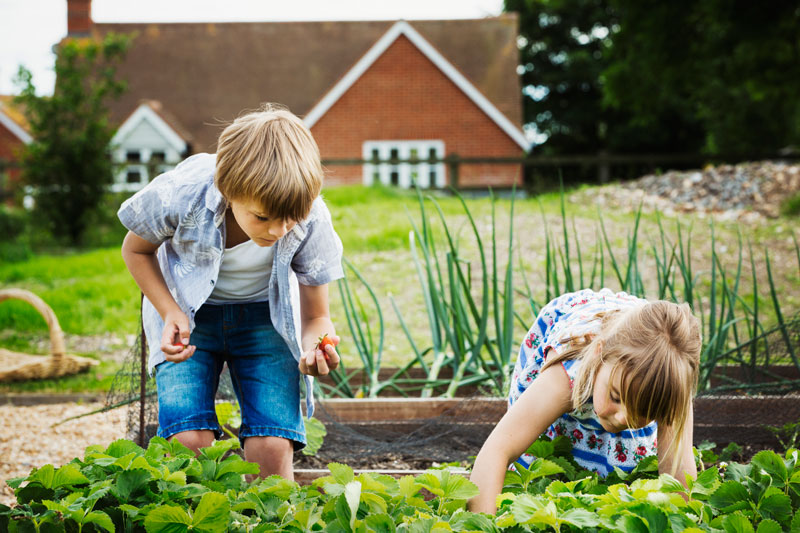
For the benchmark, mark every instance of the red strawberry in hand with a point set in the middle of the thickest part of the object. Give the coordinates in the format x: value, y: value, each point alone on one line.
x: 325, y: 341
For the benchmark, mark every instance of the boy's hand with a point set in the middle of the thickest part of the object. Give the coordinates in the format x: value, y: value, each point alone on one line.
x: 175, y: 339
x: 316, y: 362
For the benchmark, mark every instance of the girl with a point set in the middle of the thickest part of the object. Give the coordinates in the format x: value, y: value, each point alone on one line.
x: 614, y: 373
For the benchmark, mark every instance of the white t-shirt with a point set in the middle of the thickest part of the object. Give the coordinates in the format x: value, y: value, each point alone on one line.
x: 244, y: 274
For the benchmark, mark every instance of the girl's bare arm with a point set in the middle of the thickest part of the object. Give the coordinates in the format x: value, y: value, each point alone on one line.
x: 543, y: 402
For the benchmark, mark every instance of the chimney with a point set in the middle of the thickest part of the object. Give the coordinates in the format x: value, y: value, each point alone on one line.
x: 79, y: 18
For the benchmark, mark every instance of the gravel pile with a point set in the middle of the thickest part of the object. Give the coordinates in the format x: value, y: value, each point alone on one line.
x: 758, y: 187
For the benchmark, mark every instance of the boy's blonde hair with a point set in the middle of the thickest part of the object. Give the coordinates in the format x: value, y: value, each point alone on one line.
x: 655, y: 349
x: 270, y: 156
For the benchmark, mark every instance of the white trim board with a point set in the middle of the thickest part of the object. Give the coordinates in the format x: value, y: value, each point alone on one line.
x: 145, y: 113
x: 14, y: 128
x: 404, y: 28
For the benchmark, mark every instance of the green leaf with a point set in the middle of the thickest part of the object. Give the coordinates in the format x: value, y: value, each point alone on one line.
x: 380, y: 523
x: 534, y: 511
x: 445, y: 484
x: 408, y: 487
x: 631, y: 524
x: 15, y: 482
x: 315, y: 434
x: 467, y: 521
x: 730, y: 496
x: 795, y: 528
x: 581, y: 518
x: 772, y: 464
x: 219, y: 448
x: 737, y: 523
x: 122, y: 447
x: 68, y: 475
x: 130, y: 481
x: 343, y: 474
x: 235, y: 464
x: 769, y: 526
x: 777, y: 506
x: 707, y: 482
x: 101, y: 519
x: 343, y: 513
x: 212, y: 513
x: 167, y: 519
x: 654, y: 517
x: 737, y: 472
x: 352, y: 493
x: 43, y: 475
x: 541, y: 449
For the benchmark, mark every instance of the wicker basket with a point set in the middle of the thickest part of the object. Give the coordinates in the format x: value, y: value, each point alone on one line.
x: 15, y: 366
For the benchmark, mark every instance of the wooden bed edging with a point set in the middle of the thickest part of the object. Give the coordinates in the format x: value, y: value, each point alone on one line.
x: 720, y: 419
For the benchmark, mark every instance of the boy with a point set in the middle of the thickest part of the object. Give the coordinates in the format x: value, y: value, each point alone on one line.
x: 217, y: 246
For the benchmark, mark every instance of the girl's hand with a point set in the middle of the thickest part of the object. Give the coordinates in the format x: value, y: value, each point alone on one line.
x: 316, y: 362
x: 175, y: 339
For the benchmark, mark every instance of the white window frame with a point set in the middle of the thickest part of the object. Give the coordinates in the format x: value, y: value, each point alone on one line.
x: 171, y: 159
x: 407, y: 172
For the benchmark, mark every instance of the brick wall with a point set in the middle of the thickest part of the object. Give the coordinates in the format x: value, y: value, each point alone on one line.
x: 404, y: 96
x: 10, y: 146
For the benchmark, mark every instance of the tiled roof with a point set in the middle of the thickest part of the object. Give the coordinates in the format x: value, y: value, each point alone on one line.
x: 13, y: 110
x: 205, y: 74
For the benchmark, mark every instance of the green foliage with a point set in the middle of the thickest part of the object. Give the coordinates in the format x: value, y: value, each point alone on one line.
x: 731, y: 79
x: 563, y: 52
x: 610, y: 75
x: 790, y: 207
x: 167, y: 489
x: 230, y: 417
x: 68, y: 164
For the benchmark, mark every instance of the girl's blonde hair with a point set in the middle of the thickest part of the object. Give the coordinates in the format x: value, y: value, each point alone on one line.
x: 655, y: 349
x: 270, y: 156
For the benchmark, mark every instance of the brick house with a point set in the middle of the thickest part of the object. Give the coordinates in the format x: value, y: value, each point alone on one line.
x: 368, y: 90
x: 13, y: 136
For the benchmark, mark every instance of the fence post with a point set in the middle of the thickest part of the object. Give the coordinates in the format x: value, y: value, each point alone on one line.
x: 452, y: 165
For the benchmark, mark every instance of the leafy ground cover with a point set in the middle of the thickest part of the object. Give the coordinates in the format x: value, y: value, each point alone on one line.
x: 165, y: 488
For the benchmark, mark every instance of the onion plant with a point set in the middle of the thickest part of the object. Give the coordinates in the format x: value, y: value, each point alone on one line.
x: 469, y: 299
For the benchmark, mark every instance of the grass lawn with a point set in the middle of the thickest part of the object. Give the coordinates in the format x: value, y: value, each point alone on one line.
x: 97, y: 302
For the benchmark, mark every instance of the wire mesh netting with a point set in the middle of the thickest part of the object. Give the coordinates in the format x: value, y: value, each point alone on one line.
x: 765, y: 368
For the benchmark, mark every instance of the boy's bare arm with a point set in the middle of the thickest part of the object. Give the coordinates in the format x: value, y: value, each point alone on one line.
x: 546, y: 399
x: 316, y: 322
x: 140, y: 258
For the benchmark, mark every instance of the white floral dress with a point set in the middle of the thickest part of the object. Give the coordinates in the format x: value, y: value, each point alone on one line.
x: 594, y: 448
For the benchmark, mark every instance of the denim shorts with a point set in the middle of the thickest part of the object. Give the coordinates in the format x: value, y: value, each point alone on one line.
x: 263, y: 371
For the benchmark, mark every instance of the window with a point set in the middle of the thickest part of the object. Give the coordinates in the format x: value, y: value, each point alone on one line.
x: 133, y: 176
x: 403, y: 163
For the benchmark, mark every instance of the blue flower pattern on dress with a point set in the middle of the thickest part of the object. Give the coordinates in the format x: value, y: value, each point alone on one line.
x: 570, y: 315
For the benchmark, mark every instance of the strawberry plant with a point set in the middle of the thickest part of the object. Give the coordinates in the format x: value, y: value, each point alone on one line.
x: 166, y: 488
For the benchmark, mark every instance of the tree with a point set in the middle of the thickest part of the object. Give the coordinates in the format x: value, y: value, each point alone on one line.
x: 729, y: 69
x: 68, y: 164
x: 567, y: 48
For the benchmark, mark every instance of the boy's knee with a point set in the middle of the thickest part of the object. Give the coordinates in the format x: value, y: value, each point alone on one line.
x: 195, y: 439
x: 269, y: 445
